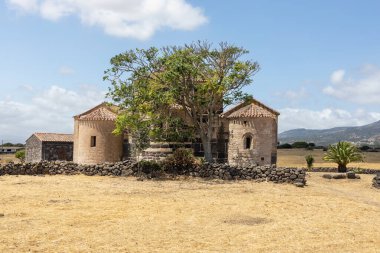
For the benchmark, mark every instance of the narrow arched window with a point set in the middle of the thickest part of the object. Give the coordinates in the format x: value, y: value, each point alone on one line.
x: 93, y: 141
x: 247, y: 142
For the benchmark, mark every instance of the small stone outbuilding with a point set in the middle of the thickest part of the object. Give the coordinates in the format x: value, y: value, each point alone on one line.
x: 49, y: 147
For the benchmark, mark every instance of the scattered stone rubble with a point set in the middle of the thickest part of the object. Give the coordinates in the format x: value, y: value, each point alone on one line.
x: 376, y: 181
x: 334, y: 170
x: 348, y: 175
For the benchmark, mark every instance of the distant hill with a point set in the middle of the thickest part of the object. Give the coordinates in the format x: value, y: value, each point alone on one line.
x: 368, y: 134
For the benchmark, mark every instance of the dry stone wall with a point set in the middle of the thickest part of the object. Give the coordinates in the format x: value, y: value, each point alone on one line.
x: 128, y: 168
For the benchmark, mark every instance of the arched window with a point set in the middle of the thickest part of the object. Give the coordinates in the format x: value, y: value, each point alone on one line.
x: 248, y: 142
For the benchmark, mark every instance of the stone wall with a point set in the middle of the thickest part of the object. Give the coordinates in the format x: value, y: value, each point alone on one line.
x: 33, y: 149
x: 263, y: 147
x: 127, y: 168
x: 52, y: 151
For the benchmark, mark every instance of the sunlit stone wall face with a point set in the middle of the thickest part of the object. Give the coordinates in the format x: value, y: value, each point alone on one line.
x: 252, y: 141
x: 107, y: 147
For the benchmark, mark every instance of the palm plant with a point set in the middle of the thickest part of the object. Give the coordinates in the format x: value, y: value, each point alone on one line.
x: 309, y: 161
x: 343, y: 153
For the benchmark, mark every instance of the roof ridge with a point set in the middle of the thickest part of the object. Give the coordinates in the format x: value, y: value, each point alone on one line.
x: 51, y: 133
x: 103, y: 105
x: 243, y: 107
x: 50, y: 137
x: 92, y: 109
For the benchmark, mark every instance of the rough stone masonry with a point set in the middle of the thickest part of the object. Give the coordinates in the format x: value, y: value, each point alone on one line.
x: 126, y: 168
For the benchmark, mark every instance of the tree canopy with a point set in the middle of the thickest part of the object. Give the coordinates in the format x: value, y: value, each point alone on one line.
x: 195, y: 80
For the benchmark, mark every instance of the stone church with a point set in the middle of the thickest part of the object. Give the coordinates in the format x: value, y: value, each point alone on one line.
x: 244, y: 134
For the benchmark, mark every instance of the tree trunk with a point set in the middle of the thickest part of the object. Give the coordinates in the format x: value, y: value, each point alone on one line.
x: 206, y: 142
x: 342, y: 168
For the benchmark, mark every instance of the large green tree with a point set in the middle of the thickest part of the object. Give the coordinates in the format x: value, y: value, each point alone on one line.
x: 196, y: 79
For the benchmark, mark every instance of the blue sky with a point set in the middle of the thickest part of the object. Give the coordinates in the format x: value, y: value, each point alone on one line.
x: 320, y: 60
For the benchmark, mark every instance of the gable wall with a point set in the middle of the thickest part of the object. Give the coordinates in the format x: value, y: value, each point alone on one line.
x: 33, y: 149
x: 263, y: 132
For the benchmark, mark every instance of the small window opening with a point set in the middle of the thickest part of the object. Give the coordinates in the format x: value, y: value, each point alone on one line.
x: 245, y: 123
x: 93, y: 141
x: 247, y: 142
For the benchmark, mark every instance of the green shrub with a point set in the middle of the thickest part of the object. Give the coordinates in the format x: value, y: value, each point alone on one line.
x: 365, y: 148
x: 180, y: 162
x: 284, y: 146
x: 309, y: 161
x: 300, y: 144
x: 150, y: 167
x: 20, y: 155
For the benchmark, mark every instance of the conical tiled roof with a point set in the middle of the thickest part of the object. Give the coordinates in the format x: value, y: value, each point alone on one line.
x: 100, y: 112
x: 251, y: 109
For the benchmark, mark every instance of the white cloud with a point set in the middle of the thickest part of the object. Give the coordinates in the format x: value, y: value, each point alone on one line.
x: 24, y: 5
x: 294, y: 94
x: 66, y: 71
x: 292, y: 118
x: 362, y: 90
x: 122, y: 18
x: 337, y: 76
x: 26, y: 87
x: 48, y: 111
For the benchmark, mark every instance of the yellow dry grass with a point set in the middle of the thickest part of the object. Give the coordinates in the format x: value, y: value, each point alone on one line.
x: 6, y: 158
x: 296, y: 158
x: 105, y: 214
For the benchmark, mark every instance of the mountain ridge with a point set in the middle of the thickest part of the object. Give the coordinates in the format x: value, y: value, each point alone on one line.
x: 367, y: 134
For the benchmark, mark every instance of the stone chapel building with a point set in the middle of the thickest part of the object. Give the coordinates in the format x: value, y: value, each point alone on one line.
x: 244, y: 134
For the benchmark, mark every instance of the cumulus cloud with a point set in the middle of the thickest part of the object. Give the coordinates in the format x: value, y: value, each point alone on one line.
x: 294, y: 94
x: 337, y: 76
x: 24, y: 5
x: 48, y: 111
x: 122, y: 18
x: 292, y: 118
x: 364, y: 89
x: 26, y: 87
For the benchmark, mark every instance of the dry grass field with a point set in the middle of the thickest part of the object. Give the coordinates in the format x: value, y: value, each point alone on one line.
x: 296, y: 158
x: 5, y: 158
x: 108, y: 214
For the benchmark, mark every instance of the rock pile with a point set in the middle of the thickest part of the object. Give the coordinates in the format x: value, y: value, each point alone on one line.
x: 349, y: 175
x: 126, y: 168
x: 376, y: 181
